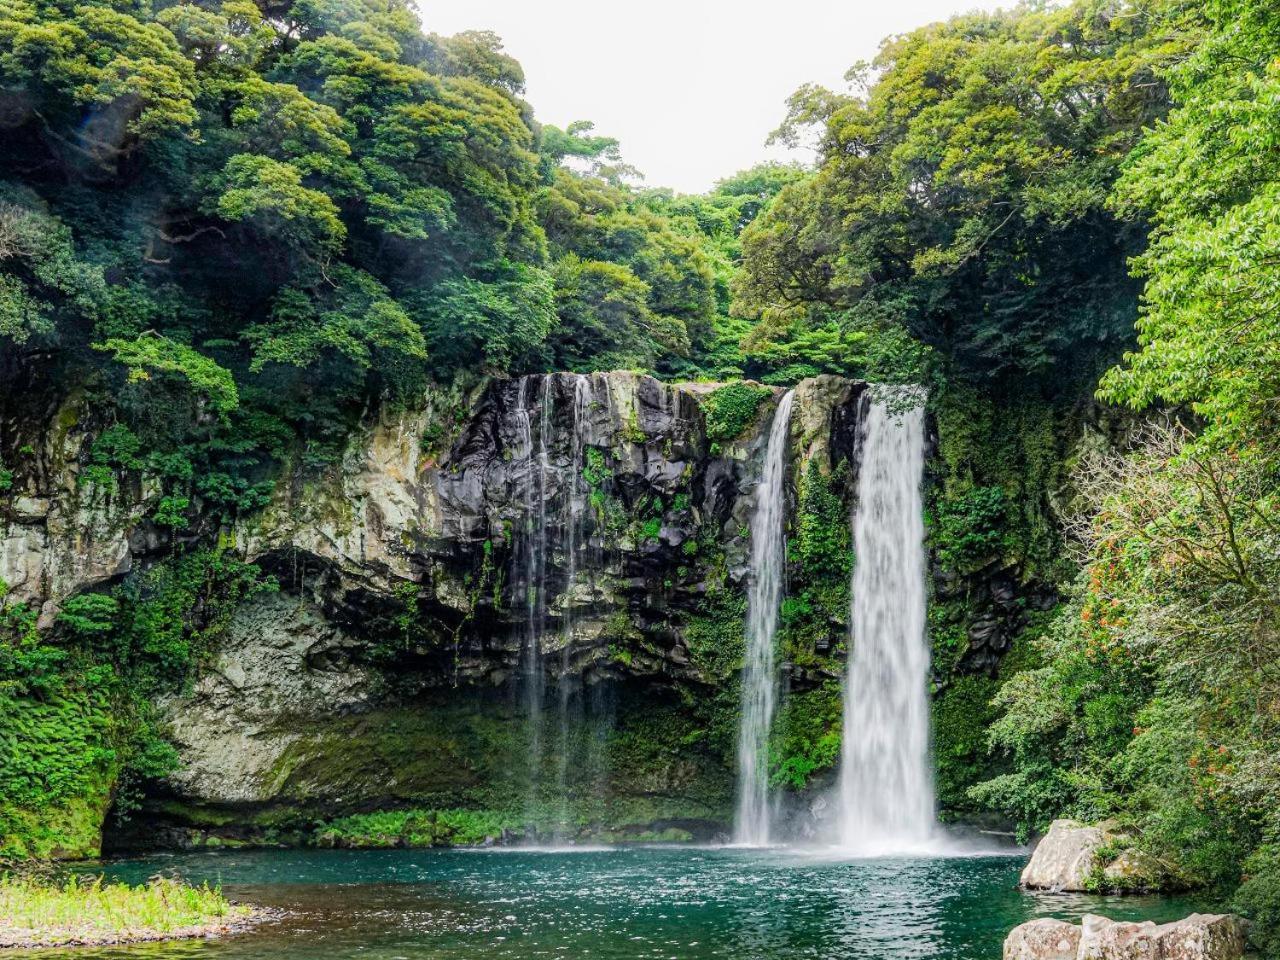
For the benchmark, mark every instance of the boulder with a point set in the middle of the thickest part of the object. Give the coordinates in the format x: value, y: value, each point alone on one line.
x: 1197, y: 937
x: 1134, y: 871
x: 1066, y: 856
x: 1075, y: 857
x: 1043, y: 939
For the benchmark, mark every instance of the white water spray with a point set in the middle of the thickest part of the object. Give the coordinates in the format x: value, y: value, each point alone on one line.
x: 885, y: 782
x: 759, y: 675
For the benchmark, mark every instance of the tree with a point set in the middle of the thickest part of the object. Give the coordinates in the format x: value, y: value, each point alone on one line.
x: 963, y: 194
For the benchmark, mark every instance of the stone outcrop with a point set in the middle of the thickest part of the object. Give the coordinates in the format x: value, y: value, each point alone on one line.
x: 65, y: 529
x: 281, y: 670
x: 1134, y: 871
x: 1066, y: 857
x: 1043, y: 939
x: 1197, y: 937
x: 611, y: 474
x: 1077, y: 857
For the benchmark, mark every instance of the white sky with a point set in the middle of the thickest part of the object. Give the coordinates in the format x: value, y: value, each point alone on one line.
x: 691, y: 87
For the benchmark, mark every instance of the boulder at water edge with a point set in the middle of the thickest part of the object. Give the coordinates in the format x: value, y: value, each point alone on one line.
x: 1066, y: 856
x: 1043, y: 939
x: 1197, y: 937
x: 1080, y: 857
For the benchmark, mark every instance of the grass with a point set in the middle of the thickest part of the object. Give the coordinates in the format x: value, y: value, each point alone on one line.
x: 79, y: 910
x: 415, y: 828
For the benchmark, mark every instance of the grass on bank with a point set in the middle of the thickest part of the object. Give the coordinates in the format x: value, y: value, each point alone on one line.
x: 469, y: 828
x: 415, y: 828
x: 38, y: 912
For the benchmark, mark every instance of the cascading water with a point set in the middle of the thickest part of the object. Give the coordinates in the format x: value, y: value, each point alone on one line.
x: 885, y: 782
x: 759, y: 679
x: 533, y: 581
x: 555, y: 530
x: 575, y: 537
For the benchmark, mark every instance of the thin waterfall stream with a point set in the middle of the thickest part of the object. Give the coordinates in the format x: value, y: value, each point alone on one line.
x: 555, y: 520
x: 575, y: 537
x: 886, y: 786
x: 753, y: 823
x: 533, y: 582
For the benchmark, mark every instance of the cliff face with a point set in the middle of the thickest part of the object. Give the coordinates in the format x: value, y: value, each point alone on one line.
x: 528, y: 598
x: 59, y: 534
x: 505, y: 601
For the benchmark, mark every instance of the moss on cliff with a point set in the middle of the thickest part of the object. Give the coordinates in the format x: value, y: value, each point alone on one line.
x: 999, y: 472
x: 460, y: 766
x: 77, y: 726
x: 731, y: 410
x: 807, y: 744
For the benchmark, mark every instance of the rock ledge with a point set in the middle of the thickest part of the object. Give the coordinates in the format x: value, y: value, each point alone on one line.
x: 1197, y: 937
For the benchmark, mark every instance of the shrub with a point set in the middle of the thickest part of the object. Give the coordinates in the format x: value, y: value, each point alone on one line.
x: 732, y: 409
x: 968, y: 530
x: 1258, y: 898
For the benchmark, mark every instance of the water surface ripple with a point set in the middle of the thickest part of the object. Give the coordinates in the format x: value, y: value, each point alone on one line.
x: 624, y: 904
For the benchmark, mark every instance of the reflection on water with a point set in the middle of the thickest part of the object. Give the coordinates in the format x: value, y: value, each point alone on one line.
x: 616, y: 904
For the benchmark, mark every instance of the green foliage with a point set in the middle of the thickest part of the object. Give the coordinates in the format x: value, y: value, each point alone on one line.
x: 969, y: 530
x: 808, y: 740
x: 633, y: 287
x: 961, y: 196
x: 732, y: 409
x: 415, y: 828
x: 76, y: 715
x: 295, y: 216
x: 1258, y: 898
x: 504, y: 319
x: 820, y: 547
x: 1002, y: 460
x: 715, y: 636
x: 1208, y: 180
x: 1155, y: 702
x: 156, y: 354
x: 44, y: 283
x: 90, y: 910
x: 89, y: 614
x: 962, y: 714
x: 819, y: 555
x: 346, y: 317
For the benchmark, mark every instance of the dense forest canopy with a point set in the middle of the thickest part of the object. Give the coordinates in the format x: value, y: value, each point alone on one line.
x: 963, y: 195
x: 241, y: 225
x: 299, y: 208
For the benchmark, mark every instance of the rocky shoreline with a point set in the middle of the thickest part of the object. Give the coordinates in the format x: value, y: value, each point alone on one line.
x: 26, y: 938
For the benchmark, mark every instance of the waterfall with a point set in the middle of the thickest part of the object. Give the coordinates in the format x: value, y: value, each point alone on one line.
x: 759, y: 679
x: 575, y: 537
x: 555, y: 522
x: 885, y: 782
x: 533, y: 581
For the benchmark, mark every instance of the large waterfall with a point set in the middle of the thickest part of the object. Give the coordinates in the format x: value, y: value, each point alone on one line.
x: 885, y: 783
x: 759, y: 675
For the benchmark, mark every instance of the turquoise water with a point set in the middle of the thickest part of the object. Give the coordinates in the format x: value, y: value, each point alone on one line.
x: 615, y: 904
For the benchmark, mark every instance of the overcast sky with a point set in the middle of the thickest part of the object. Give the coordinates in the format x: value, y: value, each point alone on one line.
x: 691, y: 87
